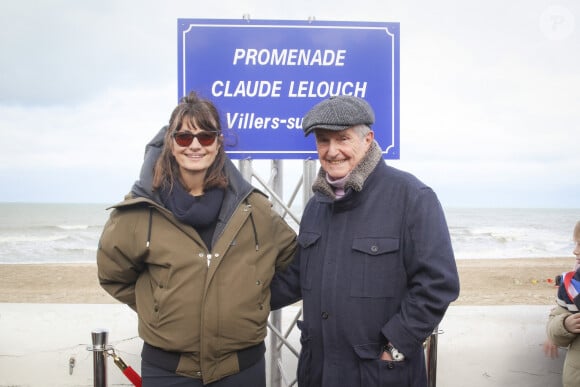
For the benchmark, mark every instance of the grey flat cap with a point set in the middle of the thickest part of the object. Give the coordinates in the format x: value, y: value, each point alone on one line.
x: 338, y: 113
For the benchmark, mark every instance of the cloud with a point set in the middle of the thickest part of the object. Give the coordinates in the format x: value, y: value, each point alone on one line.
x: 62, y: 52
x: 489, y: 93
x: 90, y: 151
x: 111, y: 128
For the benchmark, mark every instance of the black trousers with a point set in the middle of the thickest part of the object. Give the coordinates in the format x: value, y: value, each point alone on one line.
x: 254, y: 376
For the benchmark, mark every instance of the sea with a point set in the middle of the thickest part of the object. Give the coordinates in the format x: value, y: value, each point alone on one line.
x: 34, y: 233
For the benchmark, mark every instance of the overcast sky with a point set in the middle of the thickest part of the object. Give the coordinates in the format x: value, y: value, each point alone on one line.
x: 490, y: 93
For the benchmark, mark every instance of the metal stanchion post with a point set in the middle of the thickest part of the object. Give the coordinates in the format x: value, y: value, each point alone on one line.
x: 99, y: 349
x: 432, y: 359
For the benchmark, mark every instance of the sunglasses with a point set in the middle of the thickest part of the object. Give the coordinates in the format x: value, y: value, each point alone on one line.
x: 186, y: 138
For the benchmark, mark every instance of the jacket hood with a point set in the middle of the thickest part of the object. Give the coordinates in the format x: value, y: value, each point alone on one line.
x: 144, y: 186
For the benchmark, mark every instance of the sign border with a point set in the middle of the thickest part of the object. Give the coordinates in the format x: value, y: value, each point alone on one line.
x: 229, y: 23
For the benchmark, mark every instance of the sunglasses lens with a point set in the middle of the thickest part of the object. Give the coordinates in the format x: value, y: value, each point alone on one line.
x: 186, y: 138
x: 183, y: 138
x: 206, y: 139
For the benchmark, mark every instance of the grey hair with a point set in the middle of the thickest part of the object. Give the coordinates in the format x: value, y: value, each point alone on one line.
x: 361, y: 129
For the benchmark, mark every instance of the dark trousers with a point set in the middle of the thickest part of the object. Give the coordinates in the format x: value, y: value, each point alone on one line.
x: 253, y: 376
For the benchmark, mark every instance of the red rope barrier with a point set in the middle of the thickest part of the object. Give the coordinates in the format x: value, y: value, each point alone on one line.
x: 132, y: 376
x: 127, y: 370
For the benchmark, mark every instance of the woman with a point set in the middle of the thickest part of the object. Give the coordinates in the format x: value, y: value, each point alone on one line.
x: 193, y: 250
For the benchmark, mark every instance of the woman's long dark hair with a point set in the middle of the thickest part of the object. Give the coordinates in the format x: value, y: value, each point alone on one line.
x: 201, y: 114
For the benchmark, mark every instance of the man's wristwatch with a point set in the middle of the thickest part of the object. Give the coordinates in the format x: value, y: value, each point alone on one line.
x: 395, y: 354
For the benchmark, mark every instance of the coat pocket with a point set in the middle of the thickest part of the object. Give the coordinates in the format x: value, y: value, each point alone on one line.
x: 151, y: 294
x: 376, y: 267
x: 375, y: 372
x: 308, y: 242
x: 303, y: 371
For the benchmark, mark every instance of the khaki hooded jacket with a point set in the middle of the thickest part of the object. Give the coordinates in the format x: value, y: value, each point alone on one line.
x: 205, y: 305
x: 560, y: 336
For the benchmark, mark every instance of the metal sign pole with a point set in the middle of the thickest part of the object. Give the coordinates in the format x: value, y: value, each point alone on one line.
x: 309, y: 173
x: 276, y: 316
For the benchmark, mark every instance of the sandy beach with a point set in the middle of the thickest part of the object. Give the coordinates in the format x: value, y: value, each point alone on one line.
x: 483, y: 282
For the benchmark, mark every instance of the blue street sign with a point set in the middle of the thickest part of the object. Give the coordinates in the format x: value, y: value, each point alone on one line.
x: 265, y: 75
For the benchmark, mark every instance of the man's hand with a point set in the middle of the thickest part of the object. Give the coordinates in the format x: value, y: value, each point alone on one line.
x: 386, y: 356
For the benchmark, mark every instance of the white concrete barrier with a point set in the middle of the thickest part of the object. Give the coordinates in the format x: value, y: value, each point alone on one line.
x: 480, y: 346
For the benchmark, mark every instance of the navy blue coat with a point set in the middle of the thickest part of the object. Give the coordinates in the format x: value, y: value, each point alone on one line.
x: 376, y: 265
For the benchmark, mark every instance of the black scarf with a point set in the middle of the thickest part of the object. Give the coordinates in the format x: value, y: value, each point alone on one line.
x: 200, y: 212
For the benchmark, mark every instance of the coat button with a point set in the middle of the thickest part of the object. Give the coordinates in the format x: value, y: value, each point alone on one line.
x: 374, y: 249
x: 390, y: 365
x: 324, y: 315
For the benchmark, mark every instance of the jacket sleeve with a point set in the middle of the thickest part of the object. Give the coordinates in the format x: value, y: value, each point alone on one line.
x: 285, y: 289
x: 285, y: 286
x: 118, y: 269
x: 286, y: 242
x: 432, y: 278
x: 555, y: 328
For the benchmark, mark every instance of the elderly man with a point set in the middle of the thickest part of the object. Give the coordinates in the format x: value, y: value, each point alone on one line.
x: 375, y: 267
